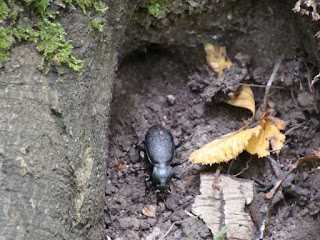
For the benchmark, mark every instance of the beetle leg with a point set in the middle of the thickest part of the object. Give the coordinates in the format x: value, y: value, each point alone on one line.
x: 139, y: 147
x: 177, y: 163
x: 176, y: 176
x: 167, y: 191
x: 147, y: 179
x: 141, y: 169
x: 179, y: 143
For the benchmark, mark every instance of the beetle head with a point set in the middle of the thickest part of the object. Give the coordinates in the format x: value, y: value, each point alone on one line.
x: 163, y: 188
x: 162, y: 175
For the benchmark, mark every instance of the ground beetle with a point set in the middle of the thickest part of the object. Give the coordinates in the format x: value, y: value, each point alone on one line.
x: 159, y: 148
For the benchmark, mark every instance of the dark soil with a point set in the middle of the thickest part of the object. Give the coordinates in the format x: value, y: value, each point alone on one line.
x: 156, y: 86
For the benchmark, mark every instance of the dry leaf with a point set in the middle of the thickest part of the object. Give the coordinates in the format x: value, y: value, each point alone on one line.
x: 243, y: 98
x: 217, y: 58
x: 269, y: 132
x: 149, y: 211
x: 280, y: 124
x: 225, y: 148
x: 307, y: 160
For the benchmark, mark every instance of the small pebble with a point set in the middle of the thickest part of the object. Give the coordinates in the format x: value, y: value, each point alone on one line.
x: 144, y: 225
x: 171, y: 203
x: 151, y: 221
x: 129, y: 222
x: 134, y: 155
x: 171, y: 100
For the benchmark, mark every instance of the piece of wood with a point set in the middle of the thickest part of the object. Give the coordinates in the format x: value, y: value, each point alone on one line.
x: 226, y: 206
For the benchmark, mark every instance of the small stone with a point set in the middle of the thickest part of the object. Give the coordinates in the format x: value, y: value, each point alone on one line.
x: 119, y: 174
x: 110, y: 190
x: 166, y: 215
x: 189, y: 198
x: 151, y: 221
x: 177, y: 234
x: 113, y: 211
x: 142, y: 154
x: 144, y: 225
x: 198, y: 109
x: 176, y: 218
x: 171, y: 204
x: 129, y: 222
x: 204, y: 232
x: 134, y: 155
x: 171, y: 100
x: 156, y: 234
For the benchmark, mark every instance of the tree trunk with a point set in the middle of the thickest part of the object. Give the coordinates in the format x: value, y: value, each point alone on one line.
x: 53, y: 134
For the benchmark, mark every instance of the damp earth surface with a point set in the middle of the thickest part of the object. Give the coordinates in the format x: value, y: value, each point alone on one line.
x: 156, y: 85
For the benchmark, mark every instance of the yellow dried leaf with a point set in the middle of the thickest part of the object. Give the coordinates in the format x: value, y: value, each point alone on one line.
x: 259, y: 144
x: 280, y: 124
x: 225, y: 148
x: 269, y: 134
x: 217, y: 58
x: 243, y: 98
x: 275, y: 136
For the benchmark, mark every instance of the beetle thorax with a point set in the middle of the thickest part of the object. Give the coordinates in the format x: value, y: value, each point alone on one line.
x: 162, y: 174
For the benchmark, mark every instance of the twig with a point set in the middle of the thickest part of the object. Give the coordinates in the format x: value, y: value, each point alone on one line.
x: 263, y: 86
x: 294, y: 99
x: 276, y: 150
x: 178, y: 222
x: 272, y: 192
x: 275, y: 166
x: 274, y: 72
x: 311, y: 88
x: 247, y: 166
x: 293, y: 128
x: 230, y: 166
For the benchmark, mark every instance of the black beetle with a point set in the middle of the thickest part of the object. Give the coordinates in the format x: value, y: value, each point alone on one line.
x: 159, y: 149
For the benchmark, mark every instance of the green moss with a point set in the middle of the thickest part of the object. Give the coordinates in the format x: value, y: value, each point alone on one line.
x: 49, y: 33
x: 39, y: 6
x: 55, y: 48
x: 3, y: 10
x: 158, y: 8
x: 95, y: 25
x: 25, y: 33
x: 84, y: 4
x: 6, y: 41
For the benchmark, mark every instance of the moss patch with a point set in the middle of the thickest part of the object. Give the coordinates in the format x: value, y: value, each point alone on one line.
x: 55, y: 48
x: 6, y: 41
x: 95, y: 25
x: 48, y: 32
x: 157, y: 8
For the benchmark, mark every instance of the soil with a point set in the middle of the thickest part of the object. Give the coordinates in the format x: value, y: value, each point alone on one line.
x: 155, y: 85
